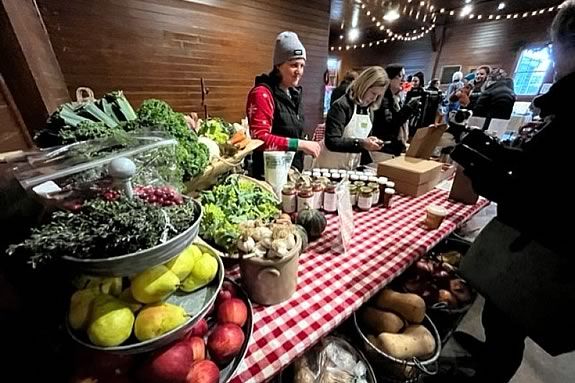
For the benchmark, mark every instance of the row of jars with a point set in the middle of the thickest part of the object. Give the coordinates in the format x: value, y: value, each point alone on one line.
x: 321, y: 193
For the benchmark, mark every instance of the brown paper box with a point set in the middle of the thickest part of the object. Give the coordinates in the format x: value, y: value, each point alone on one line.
x: 425, y: 140
x: 412, y: 176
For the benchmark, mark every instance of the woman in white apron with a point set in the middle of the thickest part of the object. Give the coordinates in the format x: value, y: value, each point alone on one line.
x: 349, y: 122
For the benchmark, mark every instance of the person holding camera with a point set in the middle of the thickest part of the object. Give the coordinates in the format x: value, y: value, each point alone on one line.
x: 389, y: 124
x: 522, y: 261
x: 349, y: 122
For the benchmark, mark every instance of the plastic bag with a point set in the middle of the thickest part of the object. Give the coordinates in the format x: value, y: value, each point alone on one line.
x: 333, y: 360
x: 345, y: 215
x: 276, y: 169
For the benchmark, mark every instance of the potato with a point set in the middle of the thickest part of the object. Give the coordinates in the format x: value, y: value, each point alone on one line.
x: 409, y: 306
x: 415, y: 341
x: 380, y: 321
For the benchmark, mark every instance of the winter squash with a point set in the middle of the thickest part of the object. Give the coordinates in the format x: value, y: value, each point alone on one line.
x: 303, y: 235
x: 313, y: 221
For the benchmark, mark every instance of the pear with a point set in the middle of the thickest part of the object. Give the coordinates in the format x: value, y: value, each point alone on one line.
x: 204, y: 271
x: 108, y: 285
x: 129, y: 300
x: 183, y: 264
x: 154, y: 284
x: 112, y: 286
x: 111, y: 322
x: 81, y: 304
x: 155, y: 320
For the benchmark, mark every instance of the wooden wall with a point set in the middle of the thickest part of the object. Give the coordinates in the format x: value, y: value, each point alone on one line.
x: 466, y: 44
x: 13, y: 133
x: 161, y: 48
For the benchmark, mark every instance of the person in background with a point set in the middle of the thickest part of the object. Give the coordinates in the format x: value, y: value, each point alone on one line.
x: 342, y: 87
x: 389, y: 123
x: 498, y: 98
x: 451, y: 95
x: 275, y: 107
x: 433, y: 104
x: 522, y: 262
x: 479, y: 85
x: 417, y: 92
x: 349, y: 121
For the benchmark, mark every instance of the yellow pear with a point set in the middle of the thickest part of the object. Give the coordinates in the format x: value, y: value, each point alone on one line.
x: 128, y: 299
x: 182, y: 265
x: 204, y: 271
x: 108, y: 285
x: 111, y: 322
x: 158, y: 319
x: 154, y: 284
x: 80, y: 309
x: 112, y: 286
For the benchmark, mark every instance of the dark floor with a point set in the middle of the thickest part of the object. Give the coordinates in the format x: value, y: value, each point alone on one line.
x: 537, y: 366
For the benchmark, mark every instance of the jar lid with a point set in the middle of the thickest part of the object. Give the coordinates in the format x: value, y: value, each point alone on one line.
x: 373, y: 179
x: 391, y: 184
x: 437, y: 210
x: 382, y: 180
x: 389, y: 191
x: 366, y: 190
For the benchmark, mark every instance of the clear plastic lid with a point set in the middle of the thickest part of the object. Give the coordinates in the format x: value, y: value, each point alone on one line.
x: 78, y: 171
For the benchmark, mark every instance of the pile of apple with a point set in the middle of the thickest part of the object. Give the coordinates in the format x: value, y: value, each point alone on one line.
x: 198, y: 357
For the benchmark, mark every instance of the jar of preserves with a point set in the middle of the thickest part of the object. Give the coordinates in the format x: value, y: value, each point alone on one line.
x: 289, y: 198
x: 375, y: 193
x: 365, y: 198
x: 305, y: 198
x: 330, y: 199
x: 318, y: 189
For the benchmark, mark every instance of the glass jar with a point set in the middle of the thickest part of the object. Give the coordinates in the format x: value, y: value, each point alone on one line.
x: 364, y: 178
x: 306, y: 173
x: 289, y: 198
x: 388, y: 195
x: 330, y: 199
x: 325, y: 170
x: 326, y: 175
x: 353, y: 192
x: 365, y: 198
x: 305, y: 198
x: 318, y: 189
x: 335, y: 177
x: 390, y: 185
x: 359, y: 184
x: 316, y: 175
x: 375, y: 193
x: 372, y: 179
x: 354, y: 178
x: 382, y: 182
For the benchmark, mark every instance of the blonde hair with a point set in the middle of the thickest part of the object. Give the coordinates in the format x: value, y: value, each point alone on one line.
x: 369, y: 78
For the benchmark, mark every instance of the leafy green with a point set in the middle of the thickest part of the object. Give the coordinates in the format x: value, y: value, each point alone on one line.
x: 229, y: 204
x: 105, y: 229
x: 192, y: 155
x: 215, y: 129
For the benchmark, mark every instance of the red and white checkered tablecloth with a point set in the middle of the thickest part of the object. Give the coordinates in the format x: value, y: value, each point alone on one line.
x: 333, y: 284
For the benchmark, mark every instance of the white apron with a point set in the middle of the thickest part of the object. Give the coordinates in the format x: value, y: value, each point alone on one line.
x: 358, y: 127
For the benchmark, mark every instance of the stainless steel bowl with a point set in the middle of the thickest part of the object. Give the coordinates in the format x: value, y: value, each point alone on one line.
x: 133, y: 263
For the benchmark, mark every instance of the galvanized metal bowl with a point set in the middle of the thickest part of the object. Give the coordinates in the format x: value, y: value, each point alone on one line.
x: 393, y: 370
x: 197, y: 304
x: 133, y: 263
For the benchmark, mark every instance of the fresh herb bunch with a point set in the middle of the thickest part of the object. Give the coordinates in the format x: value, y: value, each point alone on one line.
x: 216, y: 129
x: 192, y: 155
x: 229, y: 204
x: 104, y: 229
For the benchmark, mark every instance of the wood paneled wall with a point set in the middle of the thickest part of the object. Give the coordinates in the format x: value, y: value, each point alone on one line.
x: 161, y: 48
x: 466, y: 44
x: 13, y: 133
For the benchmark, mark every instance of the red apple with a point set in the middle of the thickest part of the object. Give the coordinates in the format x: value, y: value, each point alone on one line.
x: 233, y: 310
x: 200, y: 329
x: 198, y: 348
x: 203, y: 371
x: 231, y: 288
x: 222, y: 296
x: 225, y: 342
x: 170, y: 364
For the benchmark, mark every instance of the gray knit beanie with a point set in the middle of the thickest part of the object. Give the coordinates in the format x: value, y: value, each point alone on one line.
x: 288, y: 47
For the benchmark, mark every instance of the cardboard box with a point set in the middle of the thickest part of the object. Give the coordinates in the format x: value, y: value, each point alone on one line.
x: 414, y: 174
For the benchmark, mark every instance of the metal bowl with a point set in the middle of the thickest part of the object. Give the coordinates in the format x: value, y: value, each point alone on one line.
x: 393, y: 370
x: 228, y: 371
x: 197, y: 304
x: 133, y: 263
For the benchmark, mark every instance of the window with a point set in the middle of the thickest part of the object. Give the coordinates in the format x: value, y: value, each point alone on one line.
x: 531, y: 69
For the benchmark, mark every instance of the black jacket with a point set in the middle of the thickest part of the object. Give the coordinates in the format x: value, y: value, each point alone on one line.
x: 338, y: 117
x: 433, y: 100
x: 531, y: 250
x: 387, y: 122
x: 496, y: 101
x: 338, y: 92
x: 416, y: 119
x: 288, y: 119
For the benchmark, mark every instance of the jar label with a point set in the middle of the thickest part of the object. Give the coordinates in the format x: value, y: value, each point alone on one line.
x: 364, y: 203
x: 330, y: 202
x: 289, y: 203
x: 304, y: 202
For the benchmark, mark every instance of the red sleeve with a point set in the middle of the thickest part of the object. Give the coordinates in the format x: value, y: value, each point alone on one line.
x: 260, y: 112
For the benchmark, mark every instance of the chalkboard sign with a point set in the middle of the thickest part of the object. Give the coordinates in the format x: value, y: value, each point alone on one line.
x: 447, y: 72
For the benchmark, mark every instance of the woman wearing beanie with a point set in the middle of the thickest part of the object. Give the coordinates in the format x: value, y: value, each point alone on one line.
x: 349, y: 121
x: 275, y: 108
